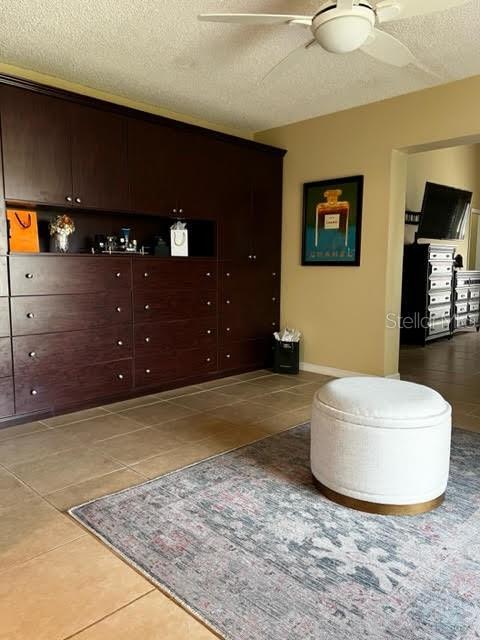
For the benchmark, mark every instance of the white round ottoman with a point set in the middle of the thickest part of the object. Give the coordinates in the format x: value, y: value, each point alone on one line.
x: 381, y: 445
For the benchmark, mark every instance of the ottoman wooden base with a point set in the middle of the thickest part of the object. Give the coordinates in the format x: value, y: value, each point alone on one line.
x: 379, y: 509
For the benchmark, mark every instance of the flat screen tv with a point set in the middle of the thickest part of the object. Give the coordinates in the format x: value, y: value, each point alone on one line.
x: 444, y: 212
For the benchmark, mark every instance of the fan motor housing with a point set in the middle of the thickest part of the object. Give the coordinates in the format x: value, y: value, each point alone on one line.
x: 343, y: 31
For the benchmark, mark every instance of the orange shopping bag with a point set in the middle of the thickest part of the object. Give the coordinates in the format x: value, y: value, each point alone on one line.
x: 23, y: 231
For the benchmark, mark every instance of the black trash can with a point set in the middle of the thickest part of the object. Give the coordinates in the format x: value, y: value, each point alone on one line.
x: 286, y: 357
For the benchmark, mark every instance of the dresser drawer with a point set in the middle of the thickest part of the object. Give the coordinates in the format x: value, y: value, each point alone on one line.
x: 440, y: 282
x: 438, y: 313
x: 259, y: 302
x: 474, y: 294
x: 461, y: 294
x: 65, y: 387
x: 155, y: 369
x: 234, y: 327
x: 3, y: 276
x: 442, y: 297
x: 461, y: 307
x: 247, y: 353
x: 4, y: 317
x: 474, y: 306
x: 50, y: 314
x: 72, y: 349
x: 473, y: 319
x: 461, y: 322
x: 43, y: 275
x: 164, y: 337
x: 439, y: 326
x: 182, y: 273
x: 5, y: 357
x: 7, y: 407
x: 239, y: 277
x: 438, y: 254
x: 151, y: 306
x: 441, y: 268
x: 194, y: 362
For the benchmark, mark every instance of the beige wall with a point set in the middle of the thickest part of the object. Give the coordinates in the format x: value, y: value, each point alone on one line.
x: 342, y: 311
x: 456, y: 167
x: 51, y: 81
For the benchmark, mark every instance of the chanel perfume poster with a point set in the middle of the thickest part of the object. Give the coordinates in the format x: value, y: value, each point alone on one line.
x: 332, y: 222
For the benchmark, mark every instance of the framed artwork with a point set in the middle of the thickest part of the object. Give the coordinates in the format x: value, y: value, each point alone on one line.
x: 332, y: 222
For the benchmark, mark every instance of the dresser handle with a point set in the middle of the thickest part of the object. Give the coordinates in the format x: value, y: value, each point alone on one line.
x: 227, y: 301
x: 147, y: 339
x: 69, y: 198
x: 30, y: 315
x: 274, y: 299
x: 78, y: 200
x: 120, y: 376
x: 274, y: 274
x: 118, y: 274
x: 119, y: 309
x: 208, y: 274
x: 148, y: 371
x: 120, y: 343
x: 254, y: 257
x: 33, y: 392
x: 209, y: 304
x: 274, y: 324
x: 228, y: 274
x: 146, y: 307
x: 250, y: 257
x: 208, y: 360
x: 228, y: 356
x: 209, y: 332
x: 228, y: 329
x: 180, y: 211
x: 29, y: 276
x: 146, y: 274
x: 32, y: 354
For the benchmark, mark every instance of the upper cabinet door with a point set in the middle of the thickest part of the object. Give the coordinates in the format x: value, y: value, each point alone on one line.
x: 152, y: 167
x: 36, y: 147
x: 267, y: 178
x: 99, y: 159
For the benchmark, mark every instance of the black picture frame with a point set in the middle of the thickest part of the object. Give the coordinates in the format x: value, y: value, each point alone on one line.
x: 338, y: 242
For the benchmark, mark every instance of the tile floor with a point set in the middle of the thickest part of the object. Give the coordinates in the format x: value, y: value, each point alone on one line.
x: 56, y: 580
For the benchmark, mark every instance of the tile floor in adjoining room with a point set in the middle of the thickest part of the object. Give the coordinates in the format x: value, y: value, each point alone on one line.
x: 56, y: 580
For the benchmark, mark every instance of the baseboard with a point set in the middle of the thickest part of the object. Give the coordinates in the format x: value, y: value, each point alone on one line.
x: 338, y: 373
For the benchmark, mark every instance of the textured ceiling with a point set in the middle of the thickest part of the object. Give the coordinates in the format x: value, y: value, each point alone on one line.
x: 157, y: 52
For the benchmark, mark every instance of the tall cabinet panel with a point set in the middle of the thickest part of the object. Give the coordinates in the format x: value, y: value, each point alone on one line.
x: 36, y: 147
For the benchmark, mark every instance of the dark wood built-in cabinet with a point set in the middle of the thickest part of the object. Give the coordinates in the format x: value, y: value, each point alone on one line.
x: 79, y: 330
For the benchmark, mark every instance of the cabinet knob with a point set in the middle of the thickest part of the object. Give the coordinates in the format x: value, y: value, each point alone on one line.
x: 78, y: 200
x: 180, y: 211
x: 147, y: 339
x: 274, y: 299
x: 227, y: 274
x: 146, y: 274
x: 32, y: 354
x: 119, y: 309
x: 254, y: 257
x: 120, y: 343
x: 209, y: 304
x: 29, y: 276
x: 69, y: 198
x: 208, y: 360
x: 250, y: 257
x: 274, y: 324
x: 118, y: 274
x: 228, y: 329
x: 208, y: 274
x: 146, y: 307
x: 228, y: 356
x: 209, y: 332
x: 274, y: 274
x: 120, y: 376
x: 30, y: 315
x: 148, y: 371
x: 174, y: 211
x: 33, y: 392
x: 227, y: 301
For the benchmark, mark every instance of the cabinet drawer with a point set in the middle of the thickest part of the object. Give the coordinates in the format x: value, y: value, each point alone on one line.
x: 7, y: 407
x: 436, y: 254
x: 441, y: 297
x: 441, y: 268
x: 461, y: 321
x: 461, y: 294
x: 72, y: 350
x: 3, y: 276
x: 5, y: 357
x: 237, y: 277
x: 4, y: 317
x: 42, y: 275
x: 440, y: 282
x: 439, y: 326
x: 150, y: 273
x: 235, y: 327
x: 473, y: 319
x: 256, y: 304
x: 151, y: 306
x: 463, y: 281
x: 474, y: 306
x: 437, y: 313
x: 163, y: 337
x: 49, y: 314
x: 195, y: 362
x: 65, y: 386
x: 474, y: 294
x: 461, y: 307
x: 245, y: 354
x: 155, y: 369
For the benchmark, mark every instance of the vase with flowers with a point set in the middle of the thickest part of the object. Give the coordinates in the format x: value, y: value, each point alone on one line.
x: 61, y: 228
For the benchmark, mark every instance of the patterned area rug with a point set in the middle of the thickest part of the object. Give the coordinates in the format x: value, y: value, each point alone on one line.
x: 247, y: 544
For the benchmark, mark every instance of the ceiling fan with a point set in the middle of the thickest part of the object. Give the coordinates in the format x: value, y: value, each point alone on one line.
x: 343, y: 26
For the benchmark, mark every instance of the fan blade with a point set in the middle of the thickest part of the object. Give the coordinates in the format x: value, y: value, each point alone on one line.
x: 389, y: 10
x: 303, y: 46
x: 255, y: 18
x: 388, y: 49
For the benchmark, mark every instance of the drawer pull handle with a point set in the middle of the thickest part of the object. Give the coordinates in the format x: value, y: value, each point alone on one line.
x: 148, y: 371
x: 274, y: 324
x: 180, y: 211
x: 209, y: 304
x: 146, y: 274
x: 208, y: 274
x: 208, y: 360
x: 78, y: 200
x: 209, y: 332
x: 250, y: 257
x: 254, y: 257
x: 228, y: 329
x: 33, y: 392
x: 228, y: 274
x: 147, y: 339
x: 147, y: 307
x: 29, y: 276
x: 30, y: 315
x: 119, y: 309
x: 32, y: 354
x: 120, y: 376
x: 228, y: 301
x: 274, y: 274
x: 69, y: 198
x: 274, y: 299
x: 228, y: 356
x: 118, y: 274
x: 120, y: 343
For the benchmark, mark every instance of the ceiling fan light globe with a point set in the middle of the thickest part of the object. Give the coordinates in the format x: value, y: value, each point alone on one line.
x: 344, y: 34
